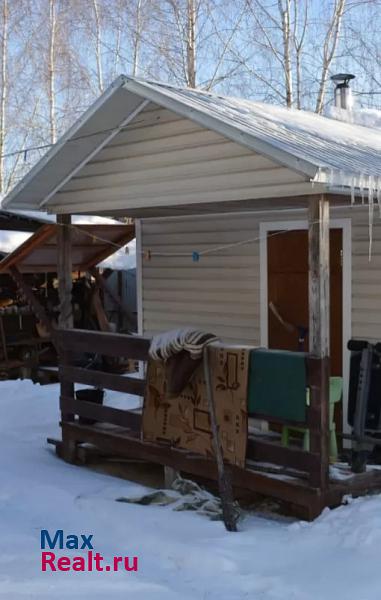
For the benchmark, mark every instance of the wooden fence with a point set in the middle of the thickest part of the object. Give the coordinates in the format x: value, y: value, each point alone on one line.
x: 125, y: 438
x: 73, y: 342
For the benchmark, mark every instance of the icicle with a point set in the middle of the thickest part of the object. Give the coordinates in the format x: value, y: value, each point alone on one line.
x: 379, y: 195
x: 371, y: 213
x: 352, y: 191
x: 361, y: 186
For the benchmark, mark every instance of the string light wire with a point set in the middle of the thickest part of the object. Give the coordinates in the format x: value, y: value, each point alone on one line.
x: 149, y: 253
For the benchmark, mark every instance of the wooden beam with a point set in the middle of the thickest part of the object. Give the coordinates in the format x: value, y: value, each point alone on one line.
x: 65, y: 321
x: 115, y: 297
x: 64, y: 271
x: 31, y: 298
x: 122, y: 443
x: 101, y: 379
x: 103, y: 414
x: 224, y: 479
x: 273, y: 452
x: 108, y: 344
x: 97, y: 306
x: 318, y: 248
x: 319, y: 333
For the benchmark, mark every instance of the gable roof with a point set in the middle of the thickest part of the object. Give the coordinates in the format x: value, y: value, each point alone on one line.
x: 340, y: 155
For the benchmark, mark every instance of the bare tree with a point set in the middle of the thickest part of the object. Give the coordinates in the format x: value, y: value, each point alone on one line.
x: 191, y: 42
x: 329, y: 49
x: 4, y: 88
x: 298, y: 37
x: 137, y: 38
x: 284, y: 7
x: 58, y: 55
x: 52, y: 70
x: 98, y: 43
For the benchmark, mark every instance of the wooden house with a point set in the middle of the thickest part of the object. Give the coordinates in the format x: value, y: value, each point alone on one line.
x: 254, y: 222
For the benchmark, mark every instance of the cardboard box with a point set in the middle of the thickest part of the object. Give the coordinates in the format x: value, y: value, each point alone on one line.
x: 184, y: 421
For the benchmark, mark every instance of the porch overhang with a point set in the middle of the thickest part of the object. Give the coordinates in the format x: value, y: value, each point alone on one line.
x: 91, y: 244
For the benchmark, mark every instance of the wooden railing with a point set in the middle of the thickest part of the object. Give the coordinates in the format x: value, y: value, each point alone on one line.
x: 311, y: 462
x: 73, y: 342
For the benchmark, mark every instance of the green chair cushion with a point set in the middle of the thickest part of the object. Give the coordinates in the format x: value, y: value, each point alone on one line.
x: 277, y: 384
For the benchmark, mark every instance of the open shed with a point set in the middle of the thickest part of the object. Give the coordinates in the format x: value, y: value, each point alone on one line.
x: 29, y: 298
x: 254, y: 198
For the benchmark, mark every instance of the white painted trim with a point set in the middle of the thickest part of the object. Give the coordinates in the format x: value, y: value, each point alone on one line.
x: 95, y: 151
x: 347, y: 317
x: 54, y: 150
x: 256, y: 213
x: 346, y: 226
x: 139, y: 274
x: 139, y: 286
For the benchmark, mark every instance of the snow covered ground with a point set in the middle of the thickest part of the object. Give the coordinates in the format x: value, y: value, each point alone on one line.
x: 182, y: 556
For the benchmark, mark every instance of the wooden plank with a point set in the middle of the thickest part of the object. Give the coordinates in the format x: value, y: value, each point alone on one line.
x: 109, y: 344
x: 31, y: 298
x: 277, y: 420
x: 319, y: 303
x: 3, y: 340
x: 319, y: 332
x: 358, y: 485
x: 98, y: 308
x: 64, y: 270
x: 116, y: 298
x: 103, y: 414
x: 273, y: 452
x: 121, y: 444
x: 15, y: 258
x: 100, y: 379
x: 224, y: 478
x: 65, y: 320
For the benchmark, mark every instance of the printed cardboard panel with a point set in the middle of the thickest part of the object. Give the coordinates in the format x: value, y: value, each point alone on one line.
x: 184, y: 421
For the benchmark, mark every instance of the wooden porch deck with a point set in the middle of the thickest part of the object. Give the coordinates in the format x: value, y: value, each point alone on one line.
x: 289, y: 475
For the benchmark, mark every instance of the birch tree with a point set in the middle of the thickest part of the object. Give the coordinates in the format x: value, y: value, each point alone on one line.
x: 329, y: 50
x: 284, y: 7
x: 57, y: 56
x: 4, y: 88
x: 51, y: 71
x: 98, y: 45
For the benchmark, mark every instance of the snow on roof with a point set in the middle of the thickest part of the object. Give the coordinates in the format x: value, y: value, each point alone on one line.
x: 122, y: 259
x: 367, y: 117
x: 332, y: 152
x: 76, y: 219
x: 308, y: 137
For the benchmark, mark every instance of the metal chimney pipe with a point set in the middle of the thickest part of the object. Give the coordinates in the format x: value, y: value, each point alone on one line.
x: 343, y: 92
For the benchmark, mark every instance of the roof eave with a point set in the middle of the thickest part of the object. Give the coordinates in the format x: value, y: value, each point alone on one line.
x: 57, y: 147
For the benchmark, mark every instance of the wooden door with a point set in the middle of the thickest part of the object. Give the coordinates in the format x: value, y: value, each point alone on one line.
x: 288, y: 293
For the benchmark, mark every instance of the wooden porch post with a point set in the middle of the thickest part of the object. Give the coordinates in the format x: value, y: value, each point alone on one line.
x: 319, y: 332
x: 64, y: 271
x: 65, y: 319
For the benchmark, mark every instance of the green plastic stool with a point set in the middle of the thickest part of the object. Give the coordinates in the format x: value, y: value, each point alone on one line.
x: 335, y: 393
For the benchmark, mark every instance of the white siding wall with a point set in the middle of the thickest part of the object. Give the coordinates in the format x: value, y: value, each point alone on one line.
x: 221, y: 291
x: 161, y: 159
x: 366, y: 278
